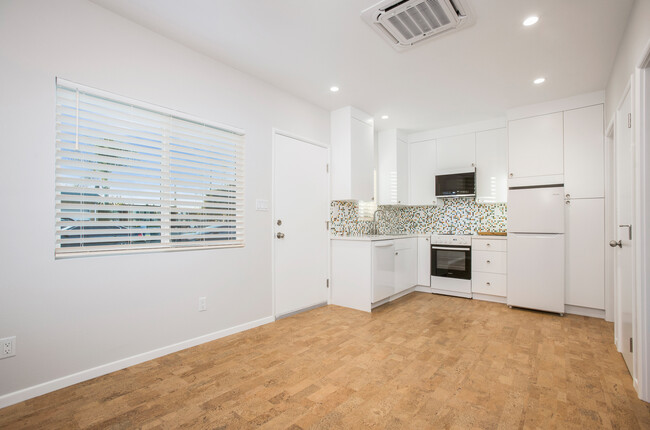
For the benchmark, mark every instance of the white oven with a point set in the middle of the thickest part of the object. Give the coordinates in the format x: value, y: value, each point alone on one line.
x: 451, y: 265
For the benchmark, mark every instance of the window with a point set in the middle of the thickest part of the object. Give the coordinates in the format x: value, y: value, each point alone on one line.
x: 132, y: 176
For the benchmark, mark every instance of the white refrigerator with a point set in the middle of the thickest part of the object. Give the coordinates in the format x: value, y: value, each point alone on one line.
x: 536, y: 248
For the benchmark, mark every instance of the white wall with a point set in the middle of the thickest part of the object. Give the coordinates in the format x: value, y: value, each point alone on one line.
x: 74, y: 314
x: 635, y: 39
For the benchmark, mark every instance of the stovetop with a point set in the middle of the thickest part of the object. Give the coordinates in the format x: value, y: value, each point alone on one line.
x: 451, y: 239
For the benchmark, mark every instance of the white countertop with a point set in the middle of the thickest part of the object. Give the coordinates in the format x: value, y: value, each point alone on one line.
x: 373, y: 237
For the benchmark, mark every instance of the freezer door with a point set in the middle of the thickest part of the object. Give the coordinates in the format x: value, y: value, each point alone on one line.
x: 536, y: 271
x: 536, y: 210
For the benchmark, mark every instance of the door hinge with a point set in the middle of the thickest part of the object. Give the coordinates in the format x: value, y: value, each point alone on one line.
x: 327, y: 283
x: 629, y: 120
x: 327, y: 225
x: 631, y: 345
x: 327, y: 167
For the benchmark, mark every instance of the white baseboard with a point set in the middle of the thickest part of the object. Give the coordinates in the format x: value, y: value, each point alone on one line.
x: 423, y: 289
x: 65, y: 381
x: 488, y: 298
x: 585, y: 312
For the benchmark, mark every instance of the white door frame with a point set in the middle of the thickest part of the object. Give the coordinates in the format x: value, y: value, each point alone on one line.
x: 279, y: 132
x: 641, y: 136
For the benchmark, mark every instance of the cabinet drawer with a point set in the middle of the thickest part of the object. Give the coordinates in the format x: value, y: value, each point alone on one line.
x: 489, y: 283
x: 489, y: 261
x: 489, y: 245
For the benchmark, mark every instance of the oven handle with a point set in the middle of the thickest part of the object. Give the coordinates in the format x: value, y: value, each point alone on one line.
x: 450, y: 249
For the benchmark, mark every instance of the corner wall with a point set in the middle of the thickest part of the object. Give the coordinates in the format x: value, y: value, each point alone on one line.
x: 75, y: 314
x: 635, y: 39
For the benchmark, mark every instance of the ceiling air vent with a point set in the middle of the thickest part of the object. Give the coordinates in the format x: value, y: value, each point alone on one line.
x: 403, y: 23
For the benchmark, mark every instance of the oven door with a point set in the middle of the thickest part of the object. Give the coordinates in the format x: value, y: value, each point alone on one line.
x: 451, y: 261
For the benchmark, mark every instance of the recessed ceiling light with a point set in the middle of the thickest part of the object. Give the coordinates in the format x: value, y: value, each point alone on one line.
x: 384, y: 117
x: 531, y: 20
x: 334, y: 89
x: 539, y: 81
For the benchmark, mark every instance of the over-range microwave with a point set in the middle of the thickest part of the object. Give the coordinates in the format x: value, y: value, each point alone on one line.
x: 456, y: 183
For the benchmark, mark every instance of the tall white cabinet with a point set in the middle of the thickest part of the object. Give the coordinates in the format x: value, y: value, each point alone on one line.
x: 585, y: 206
x: 492, y: 166
x: 422, y: 171
x: 392, y: 168
x: 352, y: 152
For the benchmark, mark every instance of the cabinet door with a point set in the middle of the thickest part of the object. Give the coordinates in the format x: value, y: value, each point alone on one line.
x: 535, y: 149
x: 584, y: 165
x: 402, y: 172
x: 362, y: 186
x: 492, y: 166
x: 456, y: 152
x: 383, y: 270
x: 405, y: 264
x: 585, y: 253
x: 386, y: 169
x: 422, y: 170
x: 424, y: 261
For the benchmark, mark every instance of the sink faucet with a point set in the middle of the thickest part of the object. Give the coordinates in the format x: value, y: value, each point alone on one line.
x: 375, y: 230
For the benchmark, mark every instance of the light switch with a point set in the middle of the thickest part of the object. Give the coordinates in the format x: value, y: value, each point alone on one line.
x: 261, y: 205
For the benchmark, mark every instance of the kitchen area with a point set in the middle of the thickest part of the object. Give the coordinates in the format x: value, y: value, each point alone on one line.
x: 509, y: 211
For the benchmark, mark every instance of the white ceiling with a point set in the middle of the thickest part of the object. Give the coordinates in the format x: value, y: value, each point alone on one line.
x: 306, y: 46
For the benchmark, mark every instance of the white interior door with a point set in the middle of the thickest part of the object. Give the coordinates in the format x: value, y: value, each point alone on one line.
x: 300, y: 211
x: 624, y: 215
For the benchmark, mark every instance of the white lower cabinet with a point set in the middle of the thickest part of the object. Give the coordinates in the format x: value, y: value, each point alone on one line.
x: 424, y: 261
x: 489, y: 269
x: 365, y: 272
x: 406, y: 264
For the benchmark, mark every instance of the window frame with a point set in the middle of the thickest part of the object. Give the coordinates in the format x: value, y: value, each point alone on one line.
x: 165, y: 209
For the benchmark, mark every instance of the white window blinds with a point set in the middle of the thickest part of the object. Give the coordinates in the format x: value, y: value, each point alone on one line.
x: 132, y: 176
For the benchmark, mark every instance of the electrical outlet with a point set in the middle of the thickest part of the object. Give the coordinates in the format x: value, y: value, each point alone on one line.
x: 203, y: 305
x: 8, y: 347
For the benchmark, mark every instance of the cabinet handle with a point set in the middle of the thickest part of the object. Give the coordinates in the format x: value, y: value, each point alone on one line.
x: 487, y: 244
x: 568, y: 196
x: 488, y: 262
x: 397, y: 253
x: 568, y: 202
x: 511, y: 175
x: 473, y: 165
x: 487, y: 283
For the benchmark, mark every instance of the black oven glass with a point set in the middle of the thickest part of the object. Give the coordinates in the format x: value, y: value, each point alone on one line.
x: 459, y: 183
x: 451, y: 263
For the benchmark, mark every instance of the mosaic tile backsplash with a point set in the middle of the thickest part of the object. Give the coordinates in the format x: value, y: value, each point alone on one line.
x: 455, y: 216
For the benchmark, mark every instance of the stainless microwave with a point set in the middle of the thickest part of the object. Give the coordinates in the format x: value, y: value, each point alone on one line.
x: 456, y: 183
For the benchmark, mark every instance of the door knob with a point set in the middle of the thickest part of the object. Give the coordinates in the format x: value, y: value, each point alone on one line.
x: 280, y: 235
x: 614, y: 244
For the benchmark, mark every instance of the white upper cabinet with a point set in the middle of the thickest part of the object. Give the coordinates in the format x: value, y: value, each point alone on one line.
x: 352, y: 170
x: 584, y: 152
x: 392, y: 168
x: 422, y: 159
x: 536, y: 150
x: 456, y: 152
x: 492, y: 166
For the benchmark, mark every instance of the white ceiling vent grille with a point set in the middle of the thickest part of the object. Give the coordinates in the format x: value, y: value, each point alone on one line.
x: 403, y: 23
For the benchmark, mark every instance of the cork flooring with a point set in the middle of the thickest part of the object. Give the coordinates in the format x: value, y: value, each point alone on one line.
x: 424, y: 361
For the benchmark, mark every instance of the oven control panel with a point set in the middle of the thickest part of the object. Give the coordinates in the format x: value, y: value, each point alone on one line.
x: 450, y: 239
